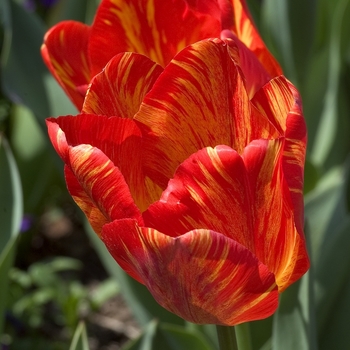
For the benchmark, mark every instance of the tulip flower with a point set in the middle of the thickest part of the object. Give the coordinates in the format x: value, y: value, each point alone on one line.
x: 192, y: 176
x: 75, y: 52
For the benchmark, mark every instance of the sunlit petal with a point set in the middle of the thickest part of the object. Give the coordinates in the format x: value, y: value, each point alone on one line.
x: 120, y: 88
x: 65, y: 53
x: 201, y: 276
x: 144, y: 27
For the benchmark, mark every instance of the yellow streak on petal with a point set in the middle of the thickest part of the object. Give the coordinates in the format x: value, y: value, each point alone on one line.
x: 244, y: 27
x: 128, y: 19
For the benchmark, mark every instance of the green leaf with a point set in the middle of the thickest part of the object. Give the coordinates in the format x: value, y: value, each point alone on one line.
x: 169, y: 337
x: 329, y: 222
x: 104, y: 291
x: 289, y: 29
x: 80, y: 340
x: 327, y: 127
x: 294, y: 322
x: 78, y: 10
x: 10, y: 218
x: 325, y: 208
x: 25, y: 78
x: 11, y: 202
x: 261, y: 332
x: 336, y: 335
x: 332, y: 277
x: 277, y: 32
x: 23, y: 68
x: 7, y: 257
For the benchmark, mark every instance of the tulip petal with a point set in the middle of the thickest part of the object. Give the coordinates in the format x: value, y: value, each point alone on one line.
x: 210, y: 190
x: 65, y: 53
x: 103, y: 183
x: 119, y: 139
x: 204, y: 104
x: 255, y: 75
x: 202, y: 276
x: 278, y: 244
x: 236, y: 17
x: 280, y: 102
x: 120, y: 88
x: 144, y: 27
x: 94, y: 182
x: 245, y: 198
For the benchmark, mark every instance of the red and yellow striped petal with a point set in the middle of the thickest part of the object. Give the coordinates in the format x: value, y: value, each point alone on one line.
x: 102, y: 182
x: 278, y: 244
x: 205, y: 103
x: 202, y: 276
x: 238, y: 19
x: 119, y: 139
x: 279, y: 101
x: 65, y: 52
x: 210, y: 190
x: 143, y: 26
x: 121, y: 87
x: 255, y: 75
x: 246, y: 199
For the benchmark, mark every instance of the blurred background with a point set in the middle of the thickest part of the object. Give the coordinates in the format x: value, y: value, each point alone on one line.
x: 59, y: 289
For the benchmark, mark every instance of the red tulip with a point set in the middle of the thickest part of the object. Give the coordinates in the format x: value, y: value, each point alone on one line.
x: 159, y: 29
x: 192, y: 175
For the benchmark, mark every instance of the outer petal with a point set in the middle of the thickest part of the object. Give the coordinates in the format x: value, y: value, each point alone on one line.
x: 102, y: 182
x: 143, y: 26
x: 65, y: 53
x: 202, y: 276
x: 119, y: 139
x: 120, y: 88
x: 280, y: 102
x: 199, y: 100
x: 277, y: 241
x: 246, y: 199
x: 237, y: 18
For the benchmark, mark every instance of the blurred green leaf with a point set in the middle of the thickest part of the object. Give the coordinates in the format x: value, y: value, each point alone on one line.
x: 311, y: 176
x: 277, y: 32
x: 294, y: 322
x: 11, y: 207
x: 25, y: 78
x: 169, y: 337
x: 44, y: 273
x: 326, y: 132
x: 23, y: 69
x: 80, y: 340
x: 10, y: 218
x: 336, y: 335
x: 27, y: 139
x: 288, y: 26
x: 35, y: 159
x: 208, y: 331
x: 104, y: 291
x: 261, y: 332
x: 332, y: 277
x: 7, y: 256
x: 325, y: 209
x: 78, y: 10
x: 329, y: 221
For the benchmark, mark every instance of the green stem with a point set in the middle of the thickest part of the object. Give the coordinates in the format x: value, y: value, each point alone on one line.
x: 234, y: 338
x: 244, y: 339
x: 227, y: 338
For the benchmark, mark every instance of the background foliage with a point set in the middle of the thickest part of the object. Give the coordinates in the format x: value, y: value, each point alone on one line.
x: 311, y: 39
